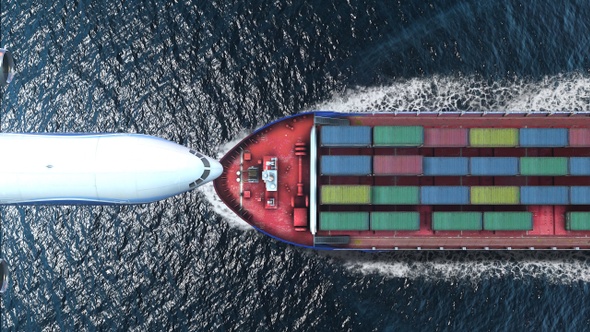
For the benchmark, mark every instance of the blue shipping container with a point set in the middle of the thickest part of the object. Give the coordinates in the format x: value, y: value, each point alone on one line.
x: 580, y: 195
x: 445, y: 165
x: 579, y: 166
x: 346, y: 165
x: 444, y: 195
x: 543, y: 137
x: 544, y: 195
x: 346, y: 136
x: 493, y: 166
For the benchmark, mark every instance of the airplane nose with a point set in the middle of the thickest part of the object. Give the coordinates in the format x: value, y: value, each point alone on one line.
x: 211, y: 169
x: 216, y: 170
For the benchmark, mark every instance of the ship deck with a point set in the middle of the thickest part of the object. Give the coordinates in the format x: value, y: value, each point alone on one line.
x: 290, y: 211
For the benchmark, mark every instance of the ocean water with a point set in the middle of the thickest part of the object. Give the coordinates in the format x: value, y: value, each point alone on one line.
x: 204, y: 74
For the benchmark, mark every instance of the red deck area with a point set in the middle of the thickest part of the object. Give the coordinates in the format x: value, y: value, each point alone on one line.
x: 274, y: 212
x: 248, y: 199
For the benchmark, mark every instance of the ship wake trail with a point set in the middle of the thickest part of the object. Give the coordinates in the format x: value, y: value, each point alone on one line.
x: 559, y: 93
x: 218, y: 206
x: 554, y: 267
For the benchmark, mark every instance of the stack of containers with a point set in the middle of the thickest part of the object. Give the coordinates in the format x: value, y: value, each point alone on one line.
x: 395, y: 221
x: 456, y: 221
x: 580, y: 195
x: 397, y: 165
x: 444, y: 195
x: 493, y: 166
x: 579, y: 137
x: 398, y: 195
x: 577, y: 221
x: 579, y: 166
x: 543, y: 137
x: 493, y: 137
x: 343, y: 136
x: 344, y: 221
x: 434, y: 166
x: 398, y: 136
x: 446, y: 137
x: 346, y: 165
x: 548, y: 166
x: 507, y: 221
x: 493, y: 195
x: 346, y: 194
x: 542, y: 195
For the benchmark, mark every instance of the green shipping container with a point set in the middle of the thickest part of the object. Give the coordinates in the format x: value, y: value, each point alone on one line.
x: 543, y: 166
x: 400, y: 195
x: 495, y: 195
x: 578, y: 221
x: 346, y: 194
x: 344, y: 221
x: 456, y: 221
x: 398, y: 136
x: 507, y: 221
x: 395, y: 221
x: 493, y: 137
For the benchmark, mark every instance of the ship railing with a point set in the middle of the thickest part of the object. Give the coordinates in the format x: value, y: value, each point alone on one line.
x: 313, y: 182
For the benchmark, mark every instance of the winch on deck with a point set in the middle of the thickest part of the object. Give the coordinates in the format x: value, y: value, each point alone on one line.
x: 269, y: 176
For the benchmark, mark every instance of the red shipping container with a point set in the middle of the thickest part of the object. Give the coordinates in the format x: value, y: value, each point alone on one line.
x: 579, y: 137
x: 397, y: 165
x: 448, y: 137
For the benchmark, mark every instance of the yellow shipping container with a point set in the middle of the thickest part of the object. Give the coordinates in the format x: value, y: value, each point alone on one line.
x: 493, y: 137
x: 346, y: 194
x: 495, y: 195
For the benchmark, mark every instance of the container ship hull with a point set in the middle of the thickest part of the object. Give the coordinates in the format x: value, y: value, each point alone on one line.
x: 443, y: 181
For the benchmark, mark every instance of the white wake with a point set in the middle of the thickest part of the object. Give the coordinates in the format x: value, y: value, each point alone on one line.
x: 560, y: 93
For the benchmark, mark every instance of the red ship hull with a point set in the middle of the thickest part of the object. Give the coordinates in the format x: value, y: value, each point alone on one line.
x: 272, y: 179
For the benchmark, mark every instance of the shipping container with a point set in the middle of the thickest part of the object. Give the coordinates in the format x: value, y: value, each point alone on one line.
x: 543, y: 166
x: 577, y: 221
x: 444, y: 195
x: 341, y: 136
x: 543, y: 137
x: 579, y: 137
x: 493, y: 137
x: 395, y: 221
x: 507, y: 221
x: 579, y: 166
x: 398, y: 136
x: 557, y: 195
x: 395, y: 195
x: 446, y: 166
x: 456, y: 221
x: 493, y: 166
x: 580, y: 195
x: 397, y: 165
x: 344, y: 221
x: 495, y: 195
x: 345, y: 194
x: 346, y: 165
x: 446, y: 137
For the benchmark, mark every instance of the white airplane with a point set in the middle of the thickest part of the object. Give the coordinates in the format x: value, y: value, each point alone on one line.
x: 97, y: 169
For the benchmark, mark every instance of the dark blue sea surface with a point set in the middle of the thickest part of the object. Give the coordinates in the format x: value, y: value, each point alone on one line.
x: 205, y: 73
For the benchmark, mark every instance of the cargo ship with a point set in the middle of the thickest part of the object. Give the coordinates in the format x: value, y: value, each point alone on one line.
x: 418, y: 181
